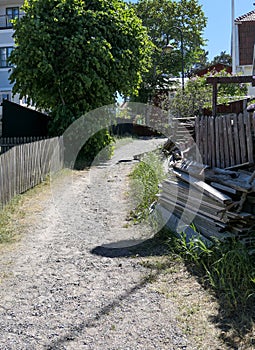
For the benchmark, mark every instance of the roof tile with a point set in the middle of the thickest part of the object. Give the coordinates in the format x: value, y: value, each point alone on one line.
x: 247, y: 17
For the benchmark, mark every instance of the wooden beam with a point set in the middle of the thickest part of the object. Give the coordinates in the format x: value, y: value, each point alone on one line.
x: 229, y: 80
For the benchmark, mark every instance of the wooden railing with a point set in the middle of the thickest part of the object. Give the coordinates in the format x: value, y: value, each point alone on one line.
x: 225, y: 141
x: 25, y: 166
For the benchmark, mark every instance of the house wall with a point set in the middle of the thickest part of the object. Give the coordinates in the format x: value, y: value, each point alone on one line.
x: 246, y: 37
x: 6, y: 40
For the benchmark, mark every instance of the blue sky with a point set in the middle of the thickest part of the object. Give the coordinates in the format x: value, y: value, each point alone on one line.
x: 218, y: 31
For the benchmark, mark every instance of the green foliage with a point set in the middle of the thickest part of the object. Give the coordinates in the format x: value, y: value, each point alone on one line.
x: 169, y: 21
x: 146, y: 177
x: 227, y: 267
x: 198, y: 95
x: 97, y: 149
x: 203, y: 62
x: 223, y: 58
x: 72, y: 56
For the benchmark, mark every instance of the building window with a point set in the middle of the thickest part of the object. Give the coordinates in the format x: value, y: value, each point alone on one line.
x: 11, y: 13
x: 4, y: 55
x: 5, y: 96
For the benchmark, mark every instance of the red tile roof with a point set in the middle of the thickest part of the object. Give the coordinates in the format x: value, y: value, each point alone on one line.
x: 247, y: 17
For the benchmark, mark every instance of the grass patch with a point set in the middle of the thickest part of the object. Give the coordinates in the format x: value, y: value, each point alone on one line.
x: 9, y: 216
x: 227, y: 267
x: 213, y: 289
x: 145, y: 179
x: 15, y: 211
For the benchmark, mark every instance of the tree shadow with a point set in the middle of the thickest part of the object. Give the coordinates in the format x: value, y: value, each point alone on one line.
x: 236, y: 324
x: 75, y: 331
x: 153, y: 246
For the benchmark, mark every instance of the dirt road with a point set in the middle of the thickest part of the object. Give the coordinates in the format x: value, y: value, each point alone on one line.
x: 64, y: 288
x: 61, y: 292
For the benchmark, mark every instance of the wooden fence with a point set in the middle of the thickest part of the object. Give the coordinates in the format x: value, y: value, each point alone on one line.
x: 7, y: 143
x: 25, y: 166
x: 225, y: 141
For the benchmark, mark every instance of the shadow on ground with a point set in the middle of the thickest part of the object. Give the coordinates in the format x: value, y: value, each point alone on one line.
x: 237, y: 326
x: 154, y: 246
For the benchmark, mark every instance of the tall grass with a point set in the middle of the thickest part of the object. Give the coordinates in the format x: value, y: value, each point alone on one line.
x: 145, y: 178
x: 228, y: 267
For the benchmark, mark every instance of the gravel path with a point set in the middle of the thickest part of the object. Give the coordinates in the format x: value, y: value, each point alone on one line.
x: 65, y: 289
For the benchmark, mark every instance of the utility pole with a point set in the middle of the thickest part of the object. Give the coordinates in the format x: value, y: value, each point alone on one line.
x: 233, y: 44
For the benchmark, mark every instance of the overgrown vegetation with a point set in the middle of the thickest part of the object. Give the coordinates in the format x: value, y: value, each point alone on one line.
x: 99, y: 148
x: 228, y: 267
x: 170, y: 21
x: 106, y: 36
x: 198, y: 95
x: 146, y: 177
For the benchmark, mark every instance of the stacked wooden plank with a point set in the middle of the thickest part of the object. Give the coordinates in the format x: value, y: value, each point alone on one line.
x: 219, y: 202
x: 183, y: 129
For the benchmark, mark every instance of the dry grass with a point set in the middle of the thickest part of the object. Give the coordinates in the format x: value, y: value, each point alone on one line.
x: 202, y: 316
x: 15, y: 216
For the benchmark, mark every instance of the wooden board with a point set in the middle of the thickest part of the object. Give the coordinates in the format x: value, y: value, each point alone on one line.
x: 204, y: 188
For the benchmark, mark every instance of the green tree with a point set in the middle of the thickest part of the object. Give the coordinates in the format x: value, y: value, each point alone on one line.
x: 72, y: 56
x: 223, y: 58
x: 198, y: 95
x: 171, y: 21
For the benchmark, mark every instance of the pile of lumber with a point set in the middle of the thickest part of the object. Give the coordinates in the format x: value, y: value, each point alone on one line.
x: 220, y: 202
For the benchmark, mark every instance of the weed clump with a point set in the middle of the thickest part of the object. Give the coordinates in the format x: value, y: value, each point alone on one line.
x: 227, y: 267
x: 146, y: 177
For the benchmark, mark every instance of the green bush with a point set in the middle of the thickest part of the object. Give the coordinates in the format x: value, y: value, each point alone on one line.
x: 146, y: 177
x: 98, y: 148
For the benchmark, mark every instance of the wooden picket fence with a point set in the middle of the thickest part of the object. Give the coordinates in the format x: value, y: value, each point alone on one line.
x: 7, y: 143
x: 25, y: 166
x: 225, y: 141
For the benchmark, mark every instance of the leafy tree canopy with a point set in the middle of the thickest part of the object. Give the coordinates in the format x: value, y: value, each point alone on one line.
x: 223, y: 58
x: 198, y: 95
x: 72, y: 56
x: 171, y: 21
x: 203, y: 61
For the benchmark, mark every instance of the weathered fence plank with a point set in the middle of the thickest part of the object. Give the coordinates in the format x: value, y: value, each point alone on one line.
x: 225, y: 141
x: 230, y: 139
x: 25, y: 166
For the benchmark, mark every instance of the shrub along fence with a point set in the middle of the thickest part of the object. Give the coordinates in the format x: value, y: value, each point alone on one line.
x: 25, y: 166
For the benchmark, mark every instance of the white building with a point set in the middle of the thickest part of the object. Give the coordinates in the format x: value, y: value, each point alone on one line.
x: 9, y: 9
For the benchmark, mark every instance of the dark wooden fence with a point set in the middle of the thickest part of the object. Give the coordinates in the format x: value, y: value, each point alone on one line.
x: 7, y: 143
x: 25, y: 166
x: 225, y: 141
